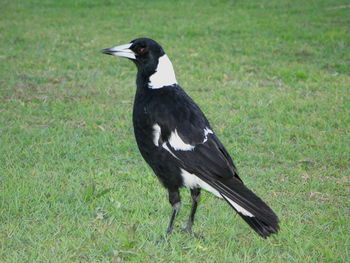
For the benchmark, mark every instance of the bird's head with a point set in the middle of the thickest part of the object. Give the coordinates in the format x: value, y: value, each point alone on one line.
x: 144, y: 52
x: 150, y: 59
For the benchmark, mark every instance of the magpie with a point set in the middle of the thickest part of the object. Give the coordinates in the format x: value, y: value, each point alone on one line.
x: 178, y: 143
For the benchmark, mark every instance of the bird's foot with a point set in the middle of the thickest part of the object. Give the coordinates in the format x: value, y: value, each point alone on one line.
x: 189, y: 231
x: 169, y: 231
x: 163, y: 239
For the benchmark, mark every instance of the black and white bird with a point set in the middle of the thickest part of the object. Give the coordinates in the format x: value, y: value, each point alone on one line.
x: 178, y: 143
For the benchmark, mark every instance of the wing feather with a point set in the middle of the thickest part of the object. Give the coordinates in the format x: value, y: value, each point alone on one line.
x: 201, y: 153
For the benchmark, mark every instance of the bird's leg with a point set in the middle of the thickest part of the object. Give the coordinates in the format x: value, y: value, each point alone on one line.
x: 195, y: 194
x: 174, y: 199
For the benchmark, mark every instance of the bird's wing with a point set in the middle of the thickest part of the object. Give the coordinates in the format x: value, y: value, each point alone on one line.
x: 185, y: 133
x: 205, y: 158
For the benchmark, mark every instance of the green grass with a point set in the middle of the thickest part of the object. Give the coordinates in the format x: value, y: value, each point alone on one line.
x: 272, y: 76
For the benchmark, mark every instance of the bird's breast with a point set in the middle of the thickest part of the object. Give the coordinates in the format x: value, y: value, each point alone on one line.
x: 143, y: 128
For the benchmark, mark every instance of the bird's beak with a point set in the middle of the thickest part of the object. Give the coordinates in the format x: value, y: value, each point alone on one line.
x: 121, y: 51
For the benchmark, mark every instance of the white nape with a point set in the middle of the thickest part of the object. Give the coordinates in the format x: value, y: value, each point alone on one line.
x: 164, y: 75
x: 178, y: 144
x: 238, y: 207
x: 156, y: 134
x: 192, y: 181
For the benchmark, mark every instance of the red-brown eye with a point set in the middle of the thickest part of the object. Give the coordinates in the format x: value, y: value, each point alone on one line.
x: 141, y: 50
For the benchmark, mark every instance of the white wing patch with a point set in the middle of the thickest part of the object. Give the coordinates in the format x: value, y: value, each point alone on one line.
x: 167, y: 148
x: 238, y: 207
x: 178, y: 144
x: 156, y: 134
x: 206, y: 132
x: 164, y: 75
x: 192, y: 181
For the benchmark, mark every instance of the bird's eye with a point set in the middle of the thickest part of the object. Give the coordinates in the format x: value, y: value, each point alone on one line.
x: 141, y: 50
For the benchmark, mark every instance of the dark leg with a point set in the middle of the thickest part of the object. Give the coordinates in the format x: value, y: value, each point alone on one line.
x: 195, y: 193
x: 174, y: 199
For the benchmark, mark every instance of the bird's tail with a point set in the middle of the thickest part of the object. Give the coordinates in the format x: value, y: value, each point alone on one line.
x: 250, y: 207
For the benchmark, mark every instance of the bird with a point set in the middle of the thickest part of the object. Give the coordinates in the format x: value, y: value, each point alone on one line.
x: 177, y: 141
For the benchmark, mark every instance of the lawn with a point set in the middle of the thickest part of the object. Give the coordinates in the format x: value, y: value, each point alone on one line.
x: 273, y: 77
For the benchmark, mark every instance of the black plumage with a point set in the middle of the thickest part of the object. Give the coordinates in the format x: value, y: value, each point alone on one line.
x: 178, y: 143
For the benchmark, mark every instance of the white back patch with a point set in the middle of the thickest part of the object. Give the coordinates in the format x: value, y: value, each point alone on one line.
x: 164, y: 75
x: 156, y: 134
x: 238, y: 207
x: 192, y: 181
x: 178, y: 144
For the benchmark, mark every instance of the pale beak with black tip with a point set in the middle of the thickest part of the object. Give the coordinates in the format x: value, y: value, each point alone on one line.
x: 121, y: 51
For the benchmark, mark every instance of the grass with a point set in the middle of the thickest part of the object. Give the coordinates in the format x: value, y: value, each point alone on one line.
x: 272, y: 76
